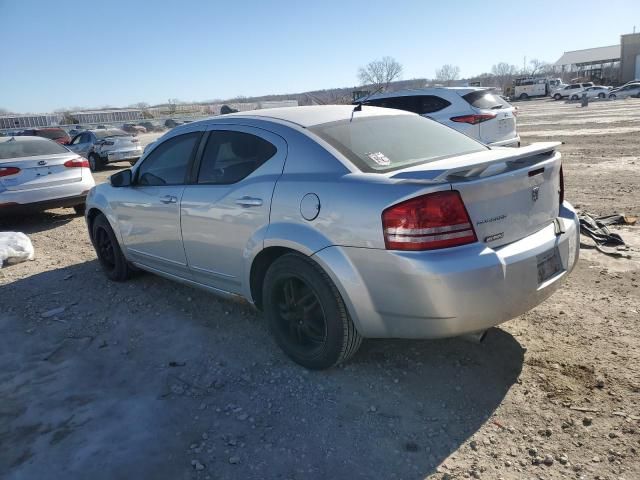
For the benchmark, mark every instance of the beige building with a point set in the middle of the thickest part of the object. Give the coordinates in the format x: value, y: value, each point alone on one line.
x: 630, y: 57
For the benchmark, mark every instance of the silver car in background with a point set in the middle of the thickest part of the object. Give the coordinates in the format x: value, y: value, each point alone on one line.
x: 103, y: 146
x: 38, y: 174
x: 343, y: 223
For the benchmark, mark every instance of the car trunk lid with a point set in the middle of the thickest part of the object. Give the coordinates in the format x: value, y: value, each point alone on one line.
x: 40, y: 171
x: 509, y: 193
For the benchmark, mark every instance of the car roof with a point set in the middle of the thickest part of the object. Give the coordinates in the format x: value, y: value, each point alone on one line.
x: 313, y: 115
x: 426, y: 91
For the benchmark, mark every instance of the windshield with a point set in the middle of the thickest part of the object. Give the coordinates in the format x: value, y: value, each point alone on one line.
x: 114, y: 132
x: 386, y: 143
x: 29, y: 148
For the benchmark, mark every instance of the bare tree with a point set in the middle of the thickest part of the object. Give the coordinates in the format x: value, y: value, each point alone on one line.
x: 141, y: 105
x: 504, y: 73
x: 539, y: 67
x: 172, y: 105
x: 380, y: 73
x: 448, y: 73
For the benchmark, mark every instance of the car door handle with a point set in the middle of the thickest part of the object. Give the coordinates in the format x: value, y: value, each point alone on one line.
x: 249, y: 202
x: 169, y: 199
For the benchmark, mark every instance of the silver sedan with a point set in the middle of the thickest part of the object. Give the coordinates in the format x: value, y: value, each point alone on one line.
x: 342, y: 223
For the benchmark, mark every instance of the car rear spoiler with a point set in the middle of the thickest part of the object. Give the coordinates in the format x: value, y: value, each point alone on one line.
x: 474, y: 165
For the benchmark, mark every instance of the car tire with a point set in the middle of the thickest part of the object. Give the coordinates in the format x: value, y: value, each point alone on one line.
x: 306, y: 314
x: 523, y: 96
x: 557, y: 96
x: 601, y: 95
x: 95, y: 163
x: 79, y: 209
x: 612, y: 96
x: 110, y: 256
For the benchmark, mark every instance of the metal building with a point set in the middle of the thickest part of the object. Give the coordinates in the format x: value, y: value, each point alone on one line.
x: 27, y: 121
x: 105, y: 116
x: 600, y: 63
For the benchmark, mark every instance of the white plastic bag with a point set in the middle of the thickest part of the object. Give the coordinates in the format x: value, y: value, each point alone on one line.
x: 15, y: 247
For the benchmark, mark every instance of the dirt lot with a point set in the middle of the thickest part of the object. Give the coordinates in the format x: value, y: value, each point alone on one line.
x: 150, y: 379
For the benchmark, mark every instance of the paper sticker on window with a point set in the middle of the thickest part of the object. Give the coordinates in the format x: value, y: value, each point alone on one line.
x: 379, y: 158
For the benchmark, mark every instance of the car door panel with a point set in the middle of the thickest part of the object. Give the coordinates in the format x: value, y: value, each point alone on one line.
x: 222, y: 222
x: 83, y: 144
x: 149, y: 221
x: 148, y: 214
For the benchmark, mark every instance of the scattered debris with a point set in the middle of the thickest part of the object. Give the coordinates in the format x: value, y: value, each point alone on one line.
x: 15, y: 247
x: 53, y: 312
x: 605, y: 241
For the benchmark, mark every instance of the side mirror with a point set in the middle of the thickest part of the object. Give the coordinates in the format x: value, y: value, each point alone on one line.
x: 121, y: 179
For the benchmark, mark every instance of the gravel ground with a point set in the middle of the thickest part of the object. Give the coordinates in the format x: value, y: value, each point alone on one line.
x: 150, y: 379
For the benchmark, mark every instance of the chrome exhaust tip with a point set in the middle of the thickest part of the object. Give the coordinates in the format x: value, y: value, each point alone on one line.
x: 475, y: 337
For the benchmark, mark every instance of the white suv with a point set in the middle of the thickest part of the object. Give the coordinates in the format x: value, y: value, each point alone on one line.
x: 474, y: 111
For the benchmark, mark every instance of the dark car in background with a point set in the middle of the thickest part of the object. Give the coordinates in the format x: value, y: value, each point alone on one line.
x: 133, y: 129
x: 152, y: 127
x: 56, y: 134
x: 171, y: 123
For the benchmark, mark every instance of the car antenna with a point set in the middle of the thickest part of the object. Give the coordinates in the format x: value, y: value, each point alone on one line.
x: 358, y: 107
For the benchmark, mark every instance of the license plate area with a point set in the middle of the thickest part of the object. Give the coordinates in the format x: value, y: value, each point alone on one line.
x: 549, y: 265
x: 42, y: 171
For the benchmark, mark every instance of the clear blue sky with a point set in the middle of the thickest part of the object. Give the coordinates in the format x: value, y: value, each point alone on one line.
x: 59, y: 54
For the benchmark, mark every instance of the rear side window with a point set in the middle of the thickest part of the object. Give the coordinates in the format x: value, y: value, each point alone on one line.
x: 167, y: 164
x: 486, y: 100
x: 386, y: 143
x: 231, y: 156
x: 29, y: 148
x: 420, y: 104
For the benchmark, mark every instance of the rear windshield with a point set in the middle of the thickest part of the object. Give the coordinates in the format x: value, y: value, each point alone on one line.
x: 51, y: 134
x: 29, y: 148
x: 484, y: 99
x: 392, y: 142
x: 114, y: 132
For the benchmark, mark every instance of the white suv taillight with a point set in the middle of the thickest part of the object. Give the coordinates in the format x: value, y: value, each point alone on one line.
x: 474, y: 119
x: 429, y: 222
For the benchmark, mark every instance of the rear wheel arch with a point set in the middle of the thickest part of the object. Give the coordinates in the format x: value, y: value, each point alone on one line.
x: 259, y: 267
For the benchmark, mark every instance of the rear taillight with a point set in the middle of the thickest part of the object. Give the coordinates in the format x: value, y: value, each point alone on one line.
x: 561, y: 192
x: 6, y: 171
x: 474, y: 119
x: 77, y: 163
x: 432, y: 221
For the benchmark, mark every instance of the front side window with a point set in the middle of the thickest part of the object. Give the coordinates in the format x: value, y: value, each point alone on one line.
x: 167, y: 164
x: 391, y: 142
x: 230, y: 156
